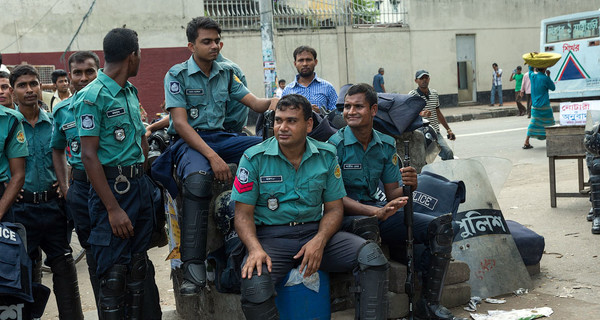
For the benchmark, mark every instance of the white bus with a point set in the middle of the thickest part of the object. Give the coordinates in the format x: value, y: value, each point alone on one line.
x: 577, y: 38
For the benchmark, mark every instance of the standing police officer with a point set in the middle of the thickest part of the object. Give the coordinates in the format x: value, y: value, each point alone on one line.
x: 197, y: 92
x: 13, y: 150
x: 288, y: 192
x: 40, y: 208
x: 113, y: 152
x: 83, y: 69
x: 367, y: 157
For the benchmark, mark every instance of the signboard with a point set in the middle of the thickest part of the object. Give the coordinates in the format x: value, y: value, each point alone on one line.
x: 574, y: 113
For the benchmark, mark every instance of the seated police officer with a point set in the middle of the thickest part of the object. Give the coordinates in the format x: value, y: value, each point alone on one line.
x: 288, y: 192
x: 39, y: 208
x: 113, y: 152
x: 366, y: 157
x: 197, y: 92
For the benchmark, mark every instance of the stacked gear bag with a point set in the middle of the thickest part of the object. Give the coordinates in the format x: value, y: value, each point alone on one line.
x: 20, y: 299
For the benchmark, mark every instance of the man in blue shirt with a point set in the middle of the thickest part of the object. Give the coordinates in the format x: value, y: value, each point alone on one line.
x: 378, y: 82
x: 319, y: 92
x: 41, y: 208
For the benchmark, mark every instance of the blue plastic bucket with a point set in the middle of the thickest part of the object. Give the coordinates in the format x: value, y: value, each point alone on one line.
x: 300, y: 303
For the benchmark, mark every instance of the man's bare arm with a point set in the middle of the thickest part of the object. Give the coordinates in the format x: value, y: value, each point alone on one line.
x: 17, y: 179
x: 60, y: 167
x: 246, y: 230
x: 160, y: 124
x: 259, y: 105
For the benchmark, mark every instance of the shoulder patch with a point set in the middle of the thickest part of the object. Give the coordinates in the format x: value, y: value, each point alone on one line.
x: 395, y: 159
x: 237, y: 79
x: 174, y: 87
x: 87, y: 122
x: 337, y: 172
x: 20, y: 137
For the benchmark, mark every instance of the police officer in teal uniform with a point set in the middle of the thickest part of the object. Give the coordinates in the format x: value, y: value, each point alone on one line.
x: 113, y: 152
x: 40, y: 207
x: 366, y: 157
x: 66, y: 147
x: 198, y: 93
x: 13, y: 150
x: 288, y: 192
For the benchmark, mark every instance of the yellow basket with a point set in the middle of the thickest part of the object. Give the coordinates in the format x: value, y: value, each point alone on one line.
x: 541, y: 60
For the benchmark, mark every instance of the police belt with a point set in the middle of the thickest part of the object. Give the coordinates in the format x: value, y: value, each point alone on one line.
x: 293, y: 224
x: 39, y: 197
x: 79, y: 175
x: 131, y: 172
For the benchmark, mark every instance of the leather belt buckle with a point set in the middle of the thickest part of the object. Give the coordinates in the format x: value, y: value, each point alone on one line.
x: 40, y: 197
x: 293, y: 224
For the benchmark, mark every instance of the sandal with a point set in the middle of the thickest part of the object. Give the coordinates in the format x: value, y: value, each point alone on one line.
x: 527, y: 146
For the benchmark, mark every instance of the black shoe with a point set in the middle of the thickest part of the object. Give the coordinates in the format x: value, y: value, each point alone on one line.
x: 596, y: 225
x: 590, y: 215
x: 188, y: 288
x: 426, y: 311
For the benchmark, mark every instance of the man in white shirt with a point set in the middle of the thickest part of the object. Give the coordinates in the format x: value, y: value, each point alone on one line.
x: 496, y: 84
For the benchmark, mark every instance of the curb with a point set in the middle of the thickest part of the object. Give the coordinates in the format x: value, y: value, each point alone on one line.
x: 487, y: 114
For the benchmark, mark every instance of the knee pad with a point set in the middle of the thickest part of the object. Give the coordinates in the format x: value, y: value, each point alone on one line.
x: 370, y: 255
x: 440, y: 235
x: 139, y: 265
x: 112, y: 293
x: 198, y: 185
x: 257, y: 289
x: 366, y: 228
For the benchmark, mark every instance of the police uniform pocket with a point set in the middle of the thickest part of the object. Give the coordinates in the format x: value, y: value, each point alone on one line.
x: 272, y: 193
x: 9, y: 265
x: 100, y: 238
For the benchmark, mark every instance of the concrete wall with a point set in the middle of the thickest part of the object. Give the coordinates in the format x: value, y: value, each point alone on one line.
x: 39, y: 31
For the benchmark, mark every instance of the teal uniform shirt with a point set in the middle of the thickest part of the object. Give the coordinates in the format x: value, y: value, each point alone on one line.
x: 237, y: 112
x: 39, y: 170
x: 204, y: 97
x: 280, y: 194
x: 363, y: 169
x: 65, y: 135
x: 14, y: 146
x: 106, y: 110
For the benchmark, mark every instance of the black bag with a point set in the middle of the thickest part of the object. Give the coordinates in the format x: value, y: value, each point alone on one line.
x: 436, y: 195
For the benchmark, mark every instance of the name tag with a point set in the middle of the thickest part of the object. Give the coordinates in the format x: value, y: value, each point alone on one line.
x: 115, y: 112
x: 352, y: 166
x: 194, y: 92
x: 68, y: 126
x: 271, y: 179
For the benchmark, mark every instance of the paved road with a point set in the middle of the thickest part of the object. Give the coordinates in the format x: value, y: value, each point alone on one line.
x: 570, y: 278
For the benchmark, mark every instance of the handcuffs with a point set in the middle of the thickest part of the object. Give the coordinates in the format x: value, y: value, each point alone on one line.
x: 121, y: 179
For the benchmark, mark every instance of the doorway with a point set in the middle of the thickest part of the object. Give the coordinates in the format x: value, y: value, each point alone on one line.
x: 465, y: 65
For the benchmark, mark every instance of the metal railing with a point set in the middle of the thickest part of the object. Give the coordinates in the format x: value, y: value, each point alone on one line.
x: 308, y: 14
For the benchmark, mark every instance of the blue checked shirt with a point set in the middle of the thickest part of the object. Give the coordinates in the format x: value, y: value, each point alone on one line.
x: 319, y: 92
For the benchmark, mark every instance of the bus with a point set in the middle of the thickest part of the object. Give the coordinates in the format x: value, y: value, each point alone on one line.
x: 577, y: 38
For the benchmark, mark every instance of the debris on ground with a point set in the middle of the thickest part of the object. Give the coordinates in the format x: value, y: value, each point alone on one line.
x: 495, y: 301
x: 472, y: 305
x: 522, y: 314
x: 521, y: 291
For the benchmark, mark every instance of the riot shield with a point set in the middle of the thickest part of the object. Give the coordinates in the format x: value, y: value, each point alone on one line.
x: 497, y: 170
x: 484, y: 241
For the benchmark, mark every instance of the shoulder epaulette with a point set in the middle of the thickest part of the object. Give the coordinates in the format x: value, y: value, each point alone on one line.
x: 14, y: 113
x: 337, y: 137
x: 178, y: 68
x: 91, y: 94
x: 257, y: 149
x: 62, y: 104
x: 386, y: 139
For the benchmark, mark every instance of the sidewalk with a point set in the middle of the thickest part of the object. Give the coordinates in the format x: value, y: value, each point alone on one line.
x: 476, y: 112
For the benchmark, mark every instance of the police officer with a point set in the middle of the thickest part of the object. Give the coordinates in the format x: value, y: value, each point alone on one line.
x: 113, y: 151
x: 367, y: 157
x: 6, y: 91
x: 40, y: 209
x: 13, y: 150
x: 197, y: 92
x: 83, y: 69
x: 280, y: 189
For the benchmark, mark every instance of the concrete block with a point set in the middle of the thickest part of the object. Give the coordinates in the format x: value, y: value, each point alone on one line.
x: 398, y: 305
x: 483, y: 115
x: 341, y: 297
x: 455, y: 295
x: 468, y: 117
x: 396, y: 277
x: 458, y: 272
x: 533, y: 269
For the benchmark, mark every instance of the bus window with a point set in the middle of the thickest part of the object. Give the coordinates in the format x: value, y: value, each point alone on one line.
x: 558, y: 32
x: 585, y: 28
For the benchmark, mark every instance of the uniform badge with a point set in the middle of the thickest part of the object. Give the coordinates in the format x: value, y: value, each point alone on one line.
x: 237, y: 79
x: 20, y: 137
x: 243, y: 175
x: 395, y: 159
x: 87, y: 122
x: 272, y: 203
x: 119, y: 134
x: 194, y: 113
x: 74, y: 146
x: 338, y: 171
x: 174, y: 87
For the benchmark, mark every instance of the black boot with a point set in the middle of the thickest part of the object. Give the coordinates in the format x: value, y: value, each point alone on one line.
x: 590, y: 215
x: 440, y: 243
x: 135, y: 286
x: 66, y: 288
x: 197, y: 191
x: 112, y: 293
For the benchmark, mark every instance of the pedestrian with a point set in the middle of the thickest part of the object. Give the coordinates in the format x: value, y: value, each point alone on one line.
x: 113, y: 153
x: 541, y: 111
x: 319, y: 92
x: 66, y: 148
x: 61, y: 83
x: 41, y: 207
x: 526, y: 92
x: 280, y: 87
x: 518, y: 77
x: 378, y: 82
x: 367, y: 157
x: 197, y: 93
x: 433, y: 113
x: 288, y: 192
x: 2, y: 66
x: 496, y: 84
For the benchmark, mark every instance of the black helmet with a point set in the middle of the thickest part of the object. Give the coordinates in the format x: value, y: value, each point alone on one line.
x: 591, y: 141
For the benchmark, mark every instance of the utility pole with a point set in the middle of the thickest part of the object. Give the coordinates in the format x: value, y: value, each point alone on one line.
x: 268, y: 51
